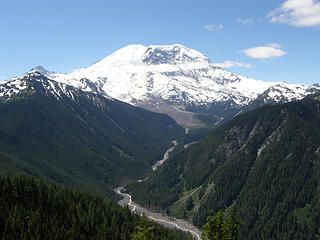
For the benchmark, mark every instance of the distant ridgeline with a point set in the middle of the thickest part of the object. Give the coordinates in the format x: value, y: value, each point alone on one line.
x: 264, y: 163
x: 62, y: 134
x: 30, y: 209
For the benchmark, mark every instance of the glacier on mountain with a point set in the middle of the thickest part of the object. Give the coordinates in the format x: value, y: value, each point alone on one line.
x: 174, y: 78
x: 173, y: 73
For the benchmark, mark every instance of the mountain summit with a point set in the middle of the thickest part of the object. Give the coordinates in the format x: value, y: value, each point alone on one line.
x: 42, y: 70
x: 172, y: 73
x: 179, y: 81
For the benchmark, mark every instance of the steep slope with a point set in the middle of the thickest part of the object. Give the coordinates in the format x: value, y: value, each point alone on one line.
x: 178, y: 81
x: 265, y: 163
x: 63, y: 134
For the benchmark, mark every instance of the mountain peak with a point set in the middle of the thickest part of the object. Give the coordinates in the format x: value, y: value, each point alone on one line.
x: 15, y: 85
x: 176, y: 77
x: 172, y: 54
x: 41, y: 70
x: 170, y: 73
x: 154, y: 55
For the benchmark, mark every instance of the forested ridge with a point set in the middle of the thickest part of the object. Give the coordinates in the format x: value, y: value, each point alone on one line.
x: 31, y: 209
x: 264, y: 163
x: 85, y: 140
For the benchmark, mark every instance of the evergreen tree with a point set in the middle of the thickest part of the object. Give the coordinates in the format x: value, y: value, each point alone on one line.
x: 30, y: 209
x: 189, y: 203
x: 222, y: 226
x: 265, y: 163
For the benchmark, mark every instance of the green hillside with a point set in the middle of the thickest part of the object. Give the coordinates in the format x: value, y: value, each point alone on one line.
x: 80, y: 139
x: 264, y: 163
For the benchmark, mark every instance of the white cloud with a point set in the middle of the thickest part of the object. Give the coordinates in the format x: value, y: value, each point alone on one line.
x: 209, y: 27
x: 213, y: 27
x: 264, y: 52
x: 231, y: 64
x: 245, y: 21
x: 219, y: 27
x: 299, y: 13
x: 2, y: 78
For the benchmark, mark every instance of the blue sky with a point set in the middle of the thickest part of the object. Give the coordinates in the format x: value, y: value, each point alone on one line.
x: 270, y: 40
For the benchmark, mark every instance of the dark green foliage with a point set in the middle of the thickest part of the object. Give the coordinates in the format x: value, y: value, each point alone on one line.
x: 224, y: 225
x: 30, y: 209
x: 265, y: 162
x: 197, y: 134
x: 86, y: 140
x: 189, y: 204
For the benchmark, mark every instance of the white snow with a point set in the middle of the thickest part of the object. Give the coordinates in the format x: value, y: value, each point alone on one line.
x: 11, y: 87
x: 138, y: 73
x: 143, y: 73
x: 17, y: 84
x: 57, y: 92
x: 289, y: 91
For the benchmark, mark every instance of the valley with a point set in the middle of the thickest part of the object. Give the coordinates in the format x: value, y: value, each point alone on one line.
x: 165, y: 156
x: 160, y: 120
x: 240, y: 144
x: 68, y: 136
x: 263, y: 163
x: 160, y: 218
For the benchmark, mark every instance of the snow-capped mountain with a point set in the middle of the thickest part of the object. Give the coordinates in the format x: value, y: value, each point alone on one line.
x: 34, y: 81
x: 284, y: 92
x: 31, y: 82
x: 43, y: 71
x: 138, y: 74
x: 11, y: 87
x: 175, y: 80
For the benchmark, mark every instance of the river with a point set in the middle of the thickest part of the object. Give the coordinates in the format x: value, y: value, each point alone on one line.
x: 165, y: 156
x: 154, y: 216
x: 157, y: 217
